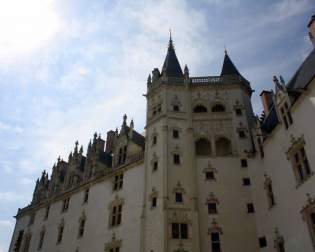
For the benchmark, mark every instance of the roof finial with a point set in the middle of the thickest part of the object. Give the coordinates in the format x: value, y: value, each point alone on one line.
x: 225, y: 51
x: 170, y: 43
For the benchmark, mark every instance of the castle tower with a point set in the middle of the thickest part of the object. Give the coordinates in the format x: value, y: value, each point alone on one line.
x: 197, y: 138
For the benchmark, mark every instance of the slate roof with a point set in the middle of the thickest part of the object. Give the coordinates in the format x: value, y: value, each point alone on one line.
x: 228, y: 66
x: 303, y: 76
x: 311, y: 21
x: 171, y: 66
x: 300, y: 80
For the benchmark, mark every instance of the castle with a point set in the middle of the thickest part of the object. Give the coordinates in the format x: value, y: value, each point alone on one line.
x: 208, y: 175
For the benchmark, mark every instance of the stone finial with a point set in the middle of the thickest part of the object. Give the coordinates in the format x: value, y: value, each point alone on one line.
x: 282, y: 80
x: 95, y: 136
x: 186, y: 71
x: 132, y: 124
x: 81, y: 149
x: 125, y: 119
x: 149, y: 80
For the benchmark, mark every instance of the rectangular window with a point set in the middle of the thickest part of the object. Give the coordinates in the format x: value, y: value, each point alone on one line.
x: 41, y: 240
x: 46, y: 212
x: 176, y: 159
x: 175, y: 230
x: 124, y: 154
x: 65, y: 204
x: 114, y: 249
x: 178, y: 197
x: 86, y: 195
x: 155, y: 165
x: 179, y: 231
x: 116, y: 215
x: 250, y: 208
x: 81, y: 227
x: 286, y: 116
x: 120, y: 156
x: 262, y: 242
x: 60, y: 234
x: 301, y: 166
x: 27, y: 243
x: 209, y: 175
x: 238, y: 111
x: 175, y: 108
x: 154, y: 140
x: 175, y: 133
x: 246, y: 181
x: 32, y: 219
x: 270, y: 195
x: 215, y: 242
x: 18, y: 242
x: 153, y: 202
x: 212, y: 208
x: 183, y: 231
x: 241, y: 134
x: 118, y: 182
x: 244, y: 163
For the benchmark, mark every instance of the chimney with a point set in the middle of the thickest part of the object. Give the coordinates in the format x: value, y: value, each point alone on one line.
x: 311, y: 27
x: 110, y: 141
x: 266, y: 98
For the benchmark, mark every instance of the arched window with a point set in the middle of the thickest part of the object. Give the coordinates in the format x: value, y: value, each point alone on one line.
x: 223, y: 146
x: 203, y: 147
x: 218, y: 108
x: 200, y: 109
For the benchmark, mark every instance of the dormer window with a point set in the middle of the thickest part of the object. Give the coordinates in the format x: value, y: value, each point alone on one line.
x: 286, y: 115
x: 200, y: 109
x: 122, y: 155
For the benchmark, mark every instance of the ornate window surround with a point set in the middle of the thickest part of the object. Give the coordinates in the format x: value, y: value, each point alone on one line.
x: 115, y: 203
x: 210, y: 168
x: 113, y: 244
x: 278, y: 241
x: 306, y: 212
x: 297, y: 144
x: 153, y: 194
x: 269, y: 191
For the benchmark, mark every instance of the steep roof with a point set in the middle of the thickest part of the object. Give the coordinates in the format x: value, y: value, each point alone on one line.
x: 171, y: 66
x: 228, y: 66
x: 304, y: 74
x: 298, y: 82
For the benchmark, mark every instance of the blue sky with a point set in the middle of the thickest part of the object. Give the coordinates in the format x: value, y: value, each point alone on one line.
x: 69, y: 68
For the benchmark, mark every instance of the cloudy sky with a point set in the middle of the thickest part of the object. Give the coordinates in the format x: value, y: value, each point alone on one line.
x: 69, y: 68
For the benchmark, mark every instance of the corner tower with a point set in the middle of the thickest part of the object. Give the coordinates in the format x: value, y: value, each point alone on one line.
x: 197, y: 138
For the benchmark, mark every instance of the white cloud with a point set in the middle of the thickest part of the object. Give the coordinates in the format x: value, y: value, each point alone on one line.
x: 14, y: 197
x: 26, y: 25
x: 8, y: 127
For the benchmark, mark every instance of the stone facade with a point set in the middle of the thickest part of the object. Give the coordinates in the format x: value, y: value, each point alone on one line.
x: 208, y: 175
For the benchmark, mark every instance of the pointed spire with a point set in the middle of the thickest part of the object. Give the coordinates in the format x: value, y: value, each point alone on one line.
x: 186, y: 70
x: 228, y: 67
x: 132, y: 124
x: 81, y: 150
x: 76, y: 147
x: 171, y: 66
x: 149, y: 81
x: 125, y: 120
x: 277, y: 83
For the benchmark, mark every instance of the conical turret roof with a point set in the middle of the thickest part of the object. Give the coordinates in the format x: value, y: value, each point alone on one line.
x: 171, y: 66
x: 228, y: 66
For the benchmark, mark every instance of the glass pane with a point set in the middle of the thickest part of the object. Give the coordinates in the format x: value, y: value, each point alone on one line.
x: 183, y: 231
x: 175, y: 230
